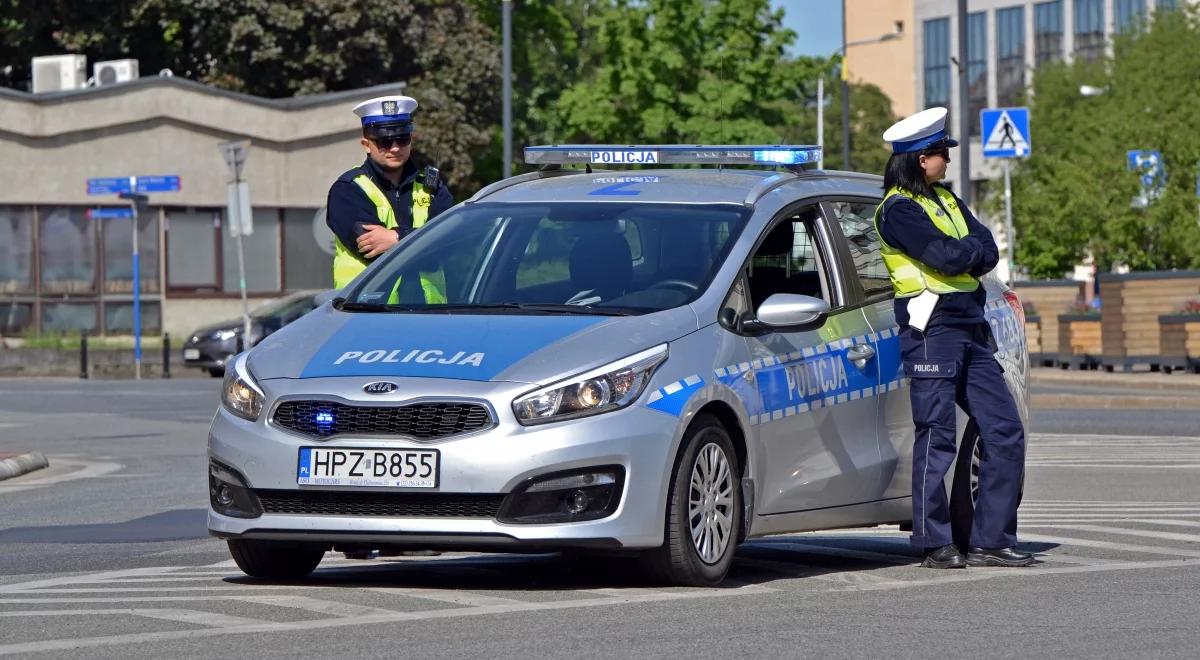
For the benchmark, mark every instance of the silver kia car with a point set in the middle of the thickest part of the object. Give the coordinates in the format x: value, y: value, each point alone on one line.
x: 660, y: 362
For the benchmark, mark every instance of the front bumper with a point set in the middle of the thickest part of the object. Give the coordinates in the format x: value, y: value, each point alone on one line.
x: 214, y: 353
x: 495, y: 462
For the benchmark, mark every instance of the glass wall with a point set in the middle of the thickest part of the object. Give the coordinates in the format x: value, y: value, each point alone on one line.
x: 68, y: 317
x: 1089, y: 29
x: 1127, y: 13
x: 16, y: 249
x: 67, y: 239
x: 937, y: 62
x: 1010, y: 56
x: 1048, y: 31
x: 307, y: 250
x: 977, y: 78
x: 118, y: 318
x: 262, y: 255
x: 192, y: 249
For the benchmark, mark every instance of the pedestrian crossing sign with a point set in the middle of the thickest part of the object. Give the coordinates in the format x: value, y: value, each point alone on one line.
x: 1005, y: 132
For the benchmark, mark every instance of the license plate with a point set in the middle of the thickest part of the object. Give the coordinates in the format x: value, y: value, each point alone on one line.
x: 191, y: 354
x: 341, y: 466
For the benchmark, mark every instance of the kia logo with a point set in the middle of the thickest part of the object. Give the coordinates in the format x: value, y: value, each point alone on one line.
x: 381, y: 387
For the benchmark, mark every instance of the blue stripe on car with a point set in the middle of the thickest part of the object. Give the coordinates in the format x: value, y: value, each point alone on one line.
x: 466, y: 347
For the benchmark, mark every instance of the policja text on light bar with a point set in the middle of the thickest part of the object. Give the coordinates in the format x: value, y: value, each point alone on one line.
x: 673, y: 154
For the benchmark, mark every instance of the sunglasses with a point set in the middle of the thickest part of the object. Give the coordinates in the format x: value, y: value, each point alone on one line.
x: 944, y: 153
x: 385, y: 143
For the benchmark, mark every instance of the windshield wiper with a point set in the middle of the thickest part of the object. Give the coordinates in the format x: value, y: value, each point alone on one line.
x: 351, y: 306
x: 556, y: 308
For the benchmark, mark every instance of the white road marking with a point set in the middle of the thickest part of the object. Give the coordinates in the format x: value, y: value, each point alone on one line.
x: 448, y: 596
x: 1107, y: 545
x: 307, y: 604
x: 1103, y: 529
x: 212, y: 619
x: 77, y: 469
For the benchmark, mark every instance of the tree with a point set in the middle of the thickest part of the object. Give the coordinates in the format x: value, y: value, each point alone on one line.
x: 1073, y: 196
x: 275, y: 48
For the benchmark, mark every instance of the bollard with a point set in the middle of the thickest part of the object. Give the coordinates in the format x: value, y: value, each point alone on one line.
x: 166, y: 346
x: 83, y: 356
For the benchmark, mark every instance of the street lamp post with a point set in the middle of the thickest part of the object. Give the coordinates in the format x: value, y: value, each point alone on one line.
x: 899, y: 32
x: 506, y: 21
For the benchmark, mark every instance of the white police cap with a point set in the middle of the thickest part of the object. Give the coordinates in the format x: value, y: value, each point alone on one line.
x: 386, y: 110
x: 924, y: 130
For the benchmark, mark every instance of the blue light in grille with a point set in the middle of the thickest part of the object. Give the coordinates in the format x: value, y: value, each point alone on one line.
x: 324, y: 419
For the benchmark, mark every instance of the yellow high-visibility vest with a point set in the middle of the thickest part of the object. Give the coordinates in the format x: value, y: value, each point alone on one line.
x: 347, y: 263
x: 909, y: 276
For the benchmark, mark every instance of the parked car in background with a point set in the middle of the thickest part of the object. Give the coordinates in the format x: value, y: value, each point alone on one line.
x: 211, y: 346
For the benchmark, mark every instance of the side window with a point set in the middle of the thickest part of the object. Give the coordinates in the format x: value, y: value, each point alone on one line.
x: 786, y: 262
x: 857, y: 220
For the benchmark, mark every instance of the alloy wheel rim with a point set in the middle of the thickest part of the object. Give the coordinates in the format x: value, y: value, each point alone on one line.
x: 710, y: 503
x: 976, y: 466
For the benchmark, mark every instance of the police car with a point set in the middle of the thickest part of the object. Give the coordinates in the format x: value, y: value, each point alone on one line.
x: 659, y: 362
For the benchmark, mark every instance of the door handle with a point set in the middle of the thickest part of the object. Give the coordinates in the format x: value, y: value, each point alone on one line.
x: 859, y: 354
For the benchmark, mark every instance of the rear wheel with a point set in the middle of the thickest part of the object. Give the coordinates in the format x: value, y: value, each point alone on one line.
x: 704, y: 510
x: 964, y: 491
x: 216, y: 372
x: 275, y: 559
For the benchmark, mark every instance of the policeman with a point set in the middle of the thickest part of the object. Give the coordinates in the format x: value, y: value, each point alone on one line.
x: 374, y: 205
x: 935, y: 252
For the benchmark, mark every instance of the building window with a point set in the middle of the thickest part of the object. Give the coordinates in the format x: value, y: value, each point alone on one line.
x: 192, y: 249
x: 118, y: 318
x: 118, y: 253
x: 1166, y: 4
x: 15, y: 317
x: 977, y: 87
x: 16, y: 250
x: 937, y: 63
x: 1089, y: 29
x: 1048, y: 31
x: 262, y: 255
x: 307, y: 250
x: 1010, y: 56
x: 62, y: 317
x: 1128, y: 12
x: 67, y: 240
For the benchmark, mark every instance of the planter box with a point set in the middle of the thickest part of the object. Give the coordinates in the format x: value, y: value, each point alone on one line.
x: 1049, y: 298
x: 1179, y: 341
x: 1130, y: 307
x: 1033, y: 338
x: 1079, y: 340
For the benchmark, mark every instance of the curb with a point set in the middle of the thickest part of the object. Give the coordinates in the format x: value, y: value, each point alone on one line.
x: 19, y: 464
x: 1101, y: 401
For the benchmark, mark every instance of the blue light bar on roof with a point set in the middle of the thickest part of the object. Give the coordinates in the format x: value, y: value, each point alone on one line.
x: 673, y: 154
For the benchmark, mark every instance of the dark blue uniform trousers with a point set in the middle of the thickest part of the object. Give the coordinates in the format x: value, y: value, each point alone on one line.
x: 948, y: 364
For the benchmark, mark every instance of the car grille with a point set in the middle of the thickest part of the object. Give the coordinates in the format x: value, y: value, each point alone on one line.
x: 406, y: 505
x: 424, y: 421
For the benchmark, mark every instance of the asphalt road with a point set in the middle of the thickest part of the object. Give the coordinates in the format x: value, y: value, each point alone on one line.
x: 104, y: 554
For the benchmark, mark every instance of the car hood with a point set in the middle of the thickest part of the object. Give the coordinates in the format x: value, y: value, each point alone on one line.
x: 477, y: 347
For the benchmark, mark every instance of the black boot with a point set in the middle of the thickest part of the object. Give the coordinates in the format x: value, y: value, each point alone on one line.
x: 1007, y: 557
x: 947, y: 556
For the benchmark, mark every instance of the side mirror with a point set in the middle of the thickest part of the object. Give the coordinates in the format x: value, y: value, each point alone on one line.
x: 789, y: 310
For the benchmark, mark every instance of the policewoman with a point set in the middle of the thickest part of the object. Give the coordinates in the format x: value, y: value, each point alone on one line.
x: 374, y: 205
x: 935, y: 252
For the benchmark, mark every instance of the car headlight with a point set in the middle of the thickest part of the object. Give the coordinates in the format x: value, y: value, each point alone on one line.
x: 224, y: 335
x: 239, y: 393
x: 610, y: 387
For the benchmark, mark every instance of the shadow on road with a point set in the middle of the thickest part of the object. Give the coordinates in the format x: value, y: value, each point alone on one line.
x: 178, y: 525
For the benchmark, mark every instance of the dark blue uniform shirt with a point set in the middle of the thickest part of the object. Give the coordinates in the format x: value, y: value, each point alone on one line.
x: 349, y: 210
x: 905, y: 226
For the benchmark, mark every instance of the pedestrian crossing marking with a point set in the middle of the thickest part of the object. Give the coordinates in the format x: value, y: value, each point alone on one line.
x: 1007, y: 131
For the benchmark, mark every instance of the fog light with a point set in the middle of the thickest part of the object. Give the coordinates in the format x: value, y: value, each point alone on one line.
x: 577, y: 501
x: 224, y: 495
x: 228, y: 493
x: 565, y: 497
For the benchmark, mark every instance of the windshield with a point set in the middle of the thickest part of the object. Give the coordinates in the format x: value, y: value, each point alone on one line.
x: 570, y: 258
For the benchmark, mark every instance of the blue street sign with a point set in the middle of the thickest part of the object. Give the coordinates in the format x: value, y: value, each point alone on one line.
x: 160, y: 183
x: 108, y: 186
x: 1151, y: 171
x: 145, y: 184
x: 1005, y: 132
x: 106, y: 213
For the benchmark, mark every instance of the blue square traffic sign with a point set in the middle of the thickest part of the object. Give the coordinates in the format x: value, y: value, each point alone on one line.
x: 1005, y: 132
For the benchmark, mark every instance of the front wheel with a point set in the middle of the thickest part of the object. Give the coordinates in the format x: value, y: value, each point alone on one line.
x: 279, y: 560
x: 704, y: 510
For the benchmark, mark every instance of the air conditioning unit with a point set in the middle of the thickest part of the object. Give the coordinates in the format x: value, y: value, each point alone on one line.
x: 57, y: 73
x: 114, y: 71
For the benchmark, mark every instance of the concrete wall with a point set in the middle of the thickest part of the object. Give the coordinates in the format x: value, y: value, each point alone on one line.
x: 183, y: 315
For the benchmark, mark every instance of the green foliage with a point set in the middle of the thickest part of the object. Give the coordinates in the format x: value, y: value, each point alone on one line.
x: 1073, y: 195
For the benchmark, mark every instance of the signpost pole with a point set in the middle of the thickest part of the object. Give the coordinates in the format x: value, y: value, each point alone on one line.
x: 1008, y: 223
x: 821, y: 121
x: 235, y: 154
x: 137, y: 285
x: 241, y: 253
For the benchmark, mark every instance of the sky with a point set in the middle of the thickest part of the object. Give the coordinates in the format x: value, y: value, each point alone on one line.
x: 817, y: 22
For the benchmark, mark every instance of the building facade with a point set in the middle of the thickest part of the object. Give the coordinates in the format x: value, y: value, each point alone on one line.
x: 61, y: 271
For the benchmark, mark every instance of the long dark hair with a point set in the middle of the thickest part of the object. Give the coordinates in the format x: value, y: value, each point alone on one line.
x: 904, y: 171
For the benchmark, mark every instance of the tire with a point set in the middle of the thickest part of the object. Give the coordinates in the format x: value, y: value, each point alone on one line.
x: 965, y: 487
x: 707, y: 460
x: 216, y: 372
x: 275, y: 559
